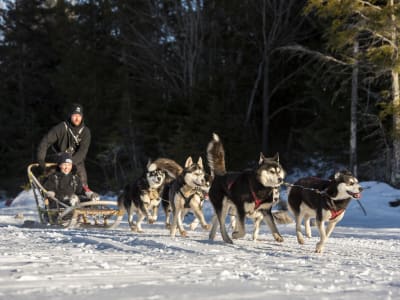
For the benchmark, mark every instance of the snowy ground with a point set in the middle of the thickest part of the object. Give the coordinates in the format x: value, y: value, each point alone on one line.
x: 361, y: 259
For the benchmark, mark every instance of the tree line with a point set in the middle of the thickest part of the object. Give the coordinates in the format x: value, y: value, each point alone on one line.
x: 310, y: 79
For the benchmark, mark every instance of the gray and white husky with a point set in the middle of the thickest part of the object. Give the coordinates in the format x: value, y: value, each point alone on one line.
x: 249, y: 193
x: 186, y: 194
x: 323, y: 199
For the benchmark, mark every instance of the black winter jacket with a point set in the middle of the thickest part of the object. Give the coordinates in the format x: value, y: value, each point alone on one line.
x: 64, y: 185
x: 61, y: 138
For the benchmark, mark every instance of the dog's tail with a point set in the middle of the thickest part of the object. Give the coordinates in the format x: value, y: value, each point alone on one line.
x: 216, y: 156
x: 171, y: 167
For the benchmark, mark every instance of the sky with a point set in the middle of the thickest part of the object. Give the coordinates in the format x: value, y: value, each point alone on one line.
x: 361, y: 259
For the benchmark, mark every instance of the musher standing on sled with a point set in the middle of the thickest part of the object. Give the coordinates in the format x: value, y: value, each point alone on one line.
x: 70, y: 136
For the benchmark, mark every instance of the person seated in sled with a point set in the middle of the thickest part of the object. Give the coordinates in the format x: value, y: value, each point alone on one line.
x: 70, y: 136
x: 65, y: 185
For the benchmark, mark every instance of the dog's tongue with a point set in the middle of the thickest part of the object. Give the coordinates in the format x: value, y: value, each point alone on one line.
x: 357, y: 195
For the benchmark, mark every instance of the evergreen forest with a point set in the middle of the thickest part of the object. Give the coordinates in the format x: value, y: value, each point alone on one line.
x: 313, y: 80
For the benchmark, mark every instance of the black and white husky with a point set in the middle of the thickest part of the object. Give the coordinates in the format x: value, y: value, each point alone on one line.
x: 325, y: 200
x: 142, y: 196
x: 186, y: 193
x: 249, y: 193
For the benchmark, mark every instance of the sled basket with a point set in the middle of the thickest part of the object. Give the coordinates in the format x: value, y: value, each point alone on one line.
x: 98, y: 214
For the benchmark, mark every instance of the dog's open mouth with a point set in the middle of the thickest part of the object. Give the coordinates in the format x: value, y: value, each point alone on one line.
x: 354, y: 195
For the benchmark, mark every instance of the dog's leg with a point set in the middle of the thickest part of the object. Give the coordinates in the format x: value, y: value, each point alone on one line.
x: 322, y: 234
x: 257, y: 221
x: 200, y: 216
x: 140, y: 218
x: 232, y: 222
x: 221, y: 218
x: 168, y: 212
x: 177, y: 222
x: 214, y: 227
x: 269, y: 219
x: 307, y: 226
x: 194, y: 224
x: 153, y: 217
x: 174, y: 222
x: 130, y: 212
x: 180, y: 214
x: 332, y: 224
x: 240, y: 229
x: 299, y: 218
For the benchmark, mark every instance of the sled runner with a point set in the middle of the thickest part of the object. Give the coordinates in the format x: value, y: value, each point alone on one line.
x: 97, y: 214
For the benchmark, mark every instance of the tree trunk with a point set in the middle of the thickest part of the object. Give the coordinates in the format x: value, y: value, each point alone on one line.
x: 353, y: 114
x: 266, y: 95
x: 395, y: 174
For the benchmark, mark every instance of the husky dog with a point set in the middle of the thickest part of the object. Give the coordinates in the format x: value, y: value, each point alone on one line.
x: 325, y: 200
x: 245, y: 192
x: 143, y: 195
x: 187, y: 193
x: 167, y: 207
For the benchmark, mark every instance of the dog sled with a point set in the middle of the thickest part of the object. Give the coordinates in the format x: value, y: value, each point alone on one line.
x: 96, y: 214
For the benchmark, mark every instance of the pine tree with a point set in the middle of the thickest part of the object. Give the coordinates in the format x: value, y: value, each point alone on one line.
x: 372, y: 24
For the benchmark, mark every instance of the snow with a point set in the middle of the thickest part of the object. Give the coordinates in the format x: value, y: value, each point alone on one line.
x: 361, y: 259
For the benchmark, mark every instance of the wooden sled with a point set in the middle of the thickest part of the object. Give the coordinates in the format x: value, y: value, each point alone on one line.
x: 96, y: 214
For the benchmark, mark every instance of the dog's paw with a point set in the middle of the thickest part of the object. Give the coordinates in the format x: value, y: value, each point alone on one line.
x: 278, y: 237
x: 237, y: 234
x: 168, y: 226
x: 206, y: 227
x: 184, y: 233
x: 319, y: 248
x: 152, y: 221
x: 300, y: 240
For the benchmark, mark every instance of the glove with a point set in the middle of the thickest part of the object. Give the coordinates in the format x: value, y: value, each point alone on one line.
x: 92, y: 196
x: 50, y: 194
x: 74, y: 200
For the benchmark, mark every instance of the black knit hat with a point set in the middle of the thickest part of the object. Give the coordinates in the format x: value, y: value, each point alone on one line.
x: 65, y: 158
x: 76, y: 109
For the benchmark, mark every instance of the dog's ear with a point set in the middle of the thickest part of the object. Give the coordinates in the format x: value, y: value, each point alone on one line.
x: 151, y: 167
x: 188, y: 162
x: 262, y: 158
x: 338, y: 176
x: 200, y: 162
x: 276, y: 157
x: 148, y: 164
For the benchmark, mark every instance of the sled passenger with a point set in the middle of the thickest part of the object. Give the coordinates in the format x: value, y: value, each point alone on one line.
x: 65, y: 185
x: 71, y: 136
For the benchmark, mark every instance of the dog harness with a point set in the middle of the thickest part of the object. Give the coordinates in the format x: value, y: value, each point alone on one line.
x: 257, y: 201
x: 188, y: 199
x: 336, y: 213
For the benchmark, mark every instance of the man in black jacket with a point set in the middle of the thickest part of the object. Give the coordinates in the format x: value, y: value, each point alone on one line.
x: 70, y: 136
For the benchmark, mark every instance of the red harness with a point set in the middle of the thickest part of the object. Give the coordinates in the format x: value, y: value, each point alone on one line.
x: 257, y: 201
x: 336, y: 213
